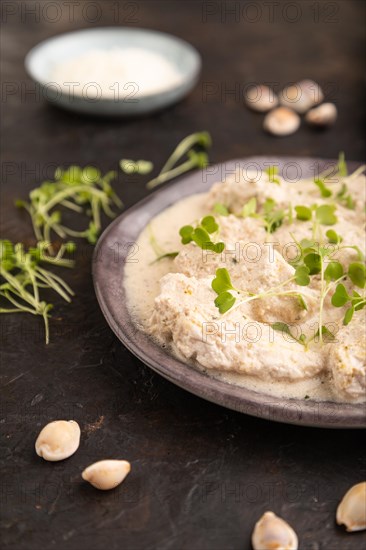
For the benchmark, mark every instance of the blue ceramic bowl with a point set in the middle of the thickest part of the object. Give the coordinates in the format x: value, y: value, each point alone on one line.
x: 43, y: 58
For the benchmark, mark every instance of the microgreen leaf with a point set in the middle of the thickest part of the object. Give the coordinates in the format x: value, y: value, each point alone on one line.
x: 302, y: 275
x: 201, y: 235
x: 303, y: 213
x: 142, y: 167
x: 224, y: 302
x: 249, y: 208
x: 348, y: 315
x: 209, y: 223
x: 269, y: 205
x: 340, y: 296
x: 283, y: 327
x: 302, y: 303
x: 90, y: 175
x: 186, y: 233
x: 273, y: 218
x: 360, y: 254
x: 325, y: 214
x: 333, y: 271
x: 324, y: 190
x: 345, y: 197
x: 313, y: 262
x: 308, y: 244
x: 221, y: 209
x: 333, y: 236
x: 329, y: 336
x: 222, y: 281
x: 357, y: 274
x: 218, y: 247
x: 166, y: 255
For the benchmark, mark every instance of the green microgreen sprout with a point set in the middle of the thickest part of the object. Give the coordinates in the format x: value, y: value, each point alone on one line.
x: 83, y: 190
x: 221, y: 284
x: 345, y: 197
x: 324, y: 214
x: 221, y: 209
x: 357, y: 274
x: 303, y: 213
x: 166, y: 255
x: 272, y: 172
x: 159, y: 251
x: 279, y: 326
x: 333, y: 237
x: 318, y: 215
x: 324, y: 190
x: 336, y: 175
x: 22, y: 278
x: 200, y: 139
x: 142, y: 167
x: 273, y: 217
x: 201, y: 235
x: 196, y: 159
x: 249, y: 208
x: 342, y: 165
x: 225, y: 300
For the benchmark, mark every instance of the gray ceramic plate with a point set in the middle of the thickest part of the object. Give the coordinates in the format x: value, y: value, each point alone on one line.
x: 108, y: 268
x: 42, y: 59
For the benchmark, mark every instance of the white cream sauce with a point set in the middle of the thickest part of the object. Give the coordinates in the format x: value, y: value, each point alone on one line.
x: 143, y: 276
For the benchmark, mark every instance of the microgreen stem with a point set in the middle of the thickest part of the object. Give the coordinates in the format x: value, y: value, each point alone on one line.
x: 69, y: 192
x: 178, y: 171
x: 11, y: 299
x: 46, y: 325
x: 154, y: 244
x: 183, y: 147
x: 71, y: 206
x: 72, y: 232
x: 267, y: 294
x: 322, y: 298
x: 356, y: 173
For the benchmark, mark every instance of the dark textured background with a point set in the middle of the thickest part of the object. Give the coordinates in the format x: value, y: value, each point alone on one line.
x: 201, y: 475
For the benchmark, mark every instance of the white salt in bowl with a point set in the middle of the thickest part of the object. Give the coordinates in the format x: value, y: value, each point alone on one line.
x: 48, y: 63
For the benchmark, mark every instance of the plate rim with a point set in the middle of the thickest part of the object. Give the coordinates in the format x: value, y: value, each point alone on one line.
x: 289, y: 411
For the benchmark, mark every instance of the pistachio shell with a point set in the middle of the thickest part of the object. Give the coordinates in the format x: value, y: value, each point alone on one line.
x: 261, y: 98
x: 324, y: 115
x: 106, y: 474
x: 58, y: 440
x: 313, y: 90
x: 281, y: 122
x: 301, y: 96
x: 273, y: 533
x: 351, y: 511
